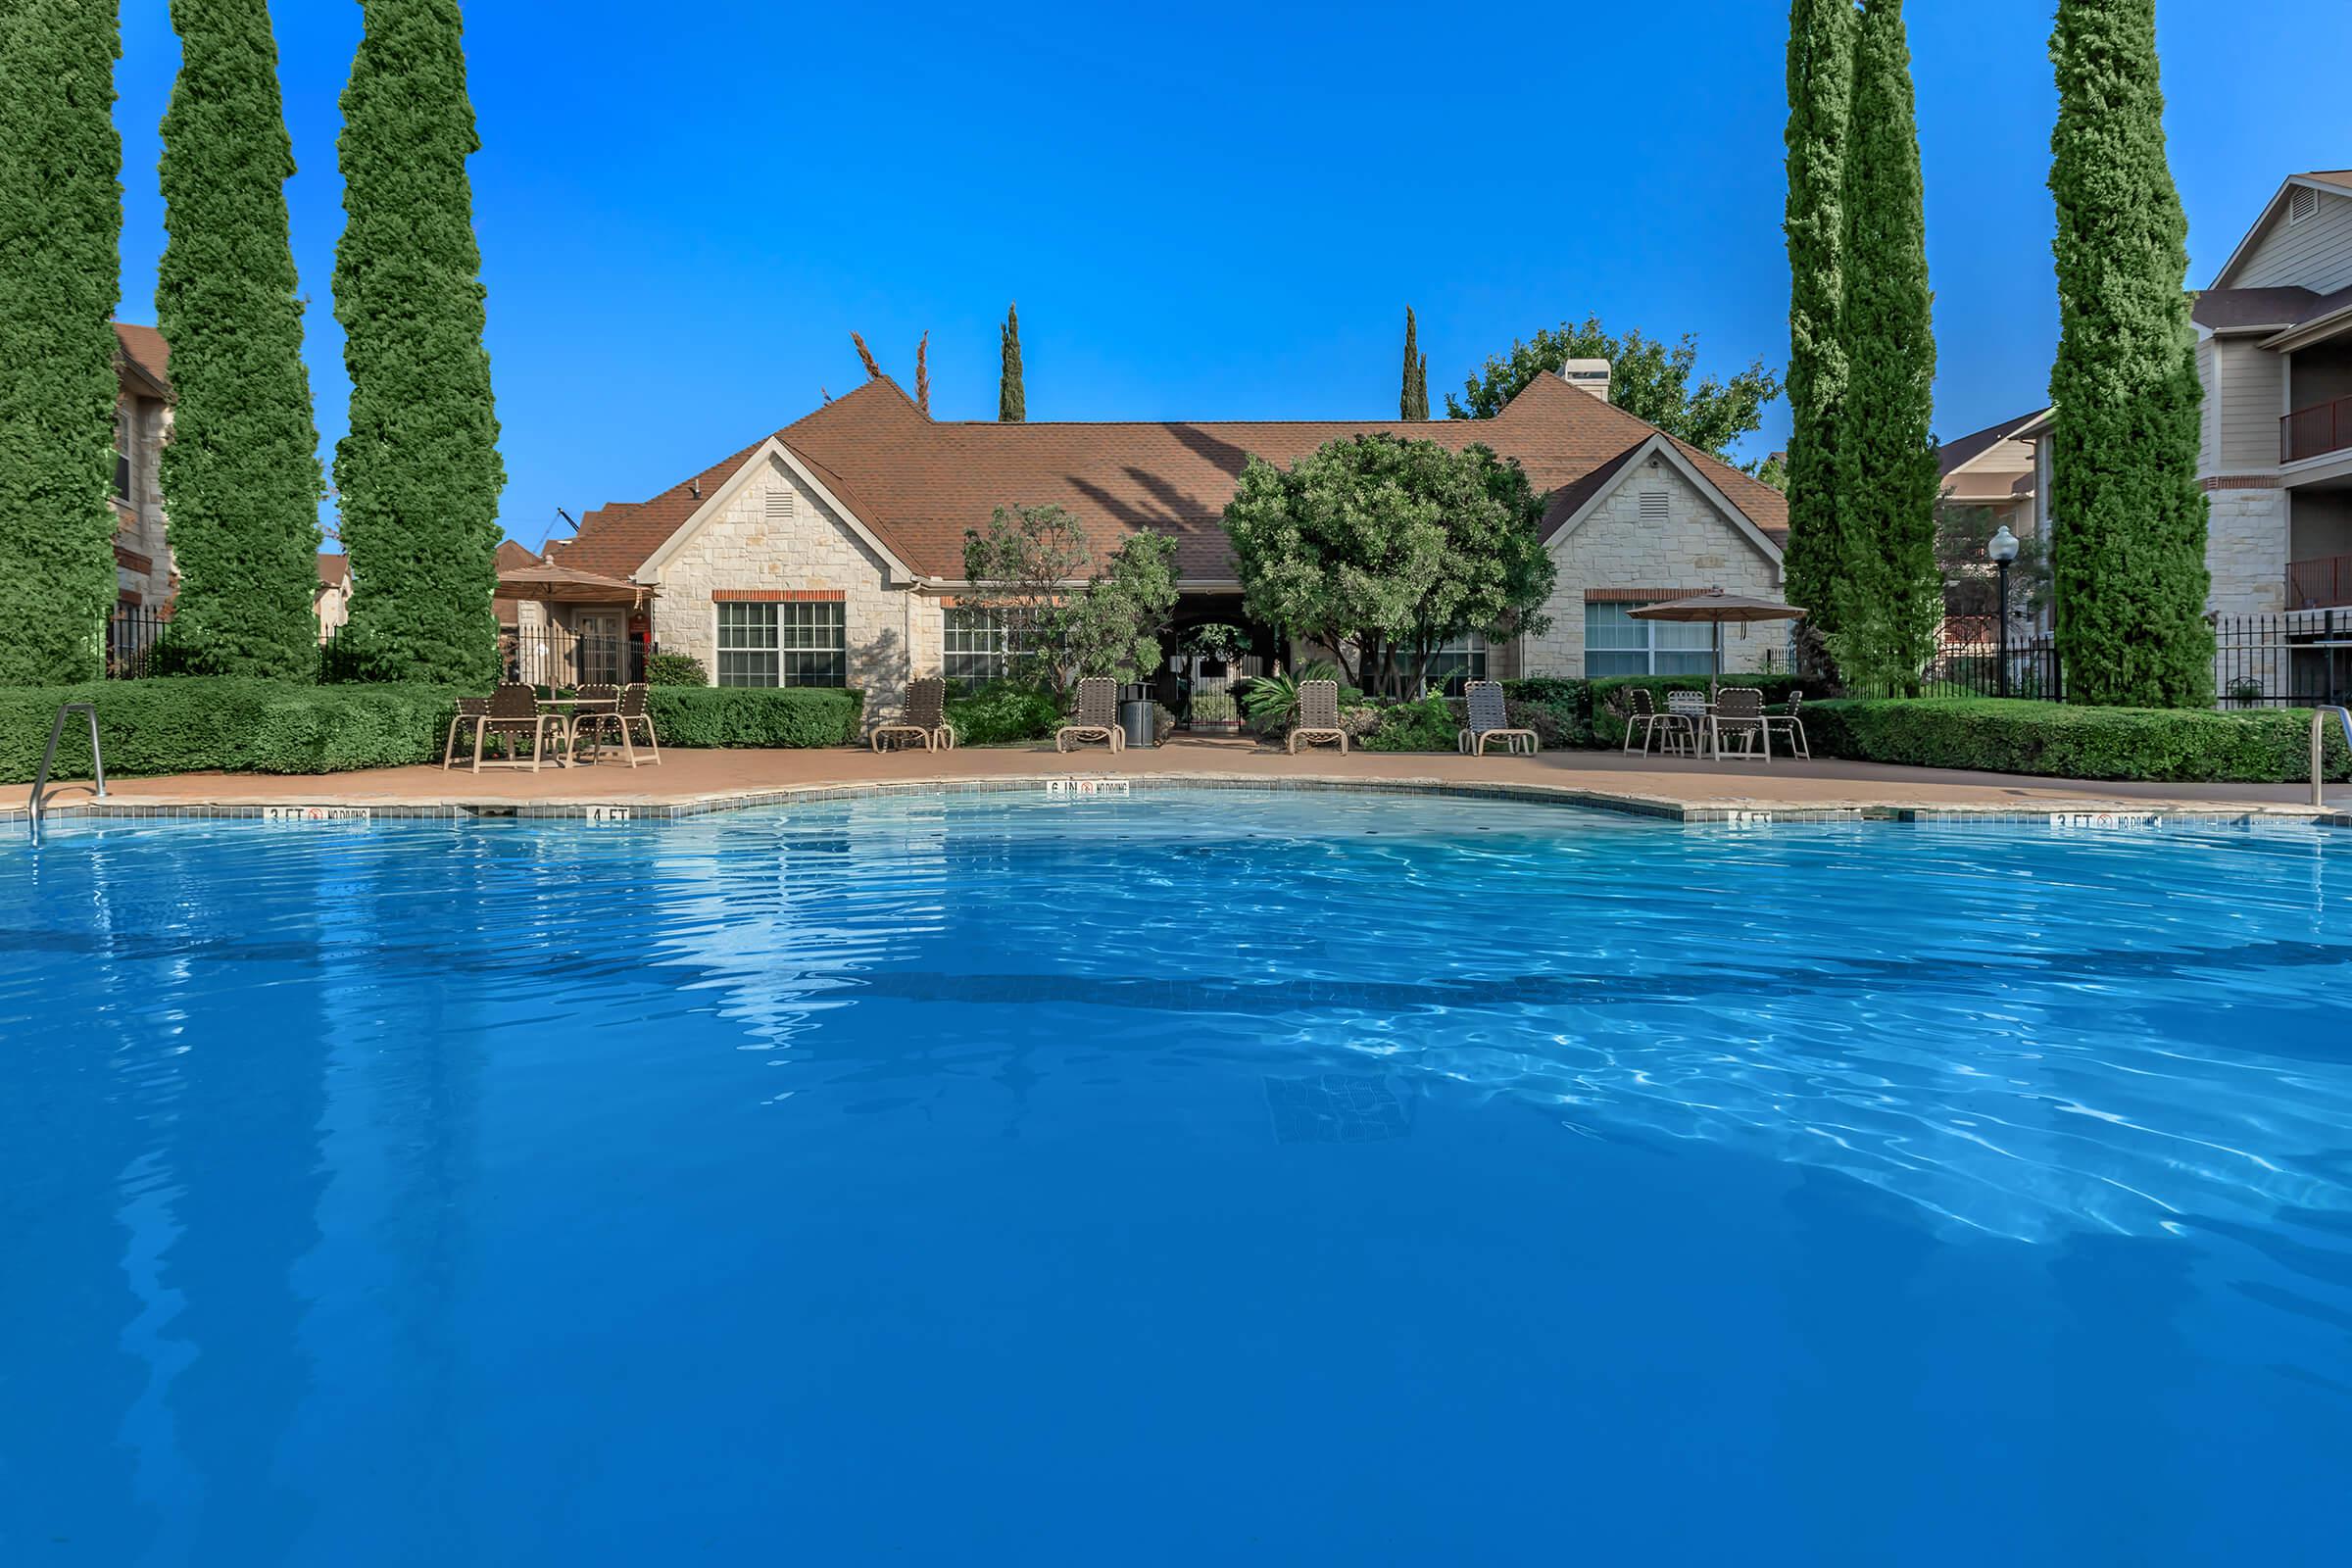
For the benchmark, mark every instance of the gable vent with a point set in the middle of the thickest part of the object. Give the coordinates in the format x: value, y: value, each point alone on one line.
x: 779, y: 503
x: 2301, y: 203
x: 1655, y: 505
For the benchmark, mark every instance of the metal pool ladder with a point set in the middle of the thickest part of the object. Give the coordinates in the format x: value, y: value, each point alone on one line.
x: 2319, y: 736
x: 56, y: 732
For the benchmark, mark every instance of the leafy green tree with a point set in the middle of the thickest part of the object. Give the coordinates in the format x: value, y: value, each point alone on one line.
x: 1012, y: 399
x: 419, y: 473
x: 1649, y: 379
x: 1821, y: 85
x: 1115, y: 625
x: 1413, y: 401
x: 241, y: 474
x: 1382, y: 550
x: 2128, y: 555
x: 1889, y: 596
x: 61, y: 225
x: 1023, y: 570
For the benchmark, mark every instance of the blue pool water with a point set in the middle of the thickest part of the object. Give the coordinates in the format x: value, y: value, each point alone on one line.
x: 1197, y: 1177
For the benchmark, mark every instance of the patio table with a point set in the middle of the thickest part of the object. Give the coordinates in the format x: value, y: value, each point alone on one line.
x: 572, y: 709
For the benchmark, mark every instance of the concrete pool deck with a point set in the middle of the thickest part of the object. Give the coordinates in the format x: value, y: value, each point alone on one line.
x: 694, y: 782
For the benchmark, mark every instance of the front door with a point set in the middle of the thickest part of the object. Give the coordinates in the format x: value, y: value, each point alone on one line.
x: 601, y: 648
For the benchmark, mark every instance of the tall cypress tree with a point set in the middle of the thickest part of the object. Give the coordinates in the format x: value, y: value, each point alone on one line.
x: 2128, y: 545
x: 1413, y: 401
x: 420, y: 472
x: 1821, y: 77
x: 240, y: 476
x: 1012, y: 400
x: 61, y: 227
x: 1889, y: 596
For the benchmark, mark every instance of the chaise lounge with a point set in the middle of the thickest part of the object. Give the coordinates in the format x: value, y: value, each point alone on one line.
x: 1095, y: 719
x: 925, y: 717
x: 1318, y: 714
x: 1489, y: 719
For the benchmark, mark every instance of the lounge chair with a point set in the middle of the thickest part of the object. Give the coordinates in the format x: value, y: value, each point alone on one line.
x: 924, y: 717
x: 514, y: 713
x: 1791, y: 726
x: 470, y: 711
x: 629, y: 710
x: 1669, y: 730
x: 1740, y: 714
x: 1488, y: 721
x: 1318, y: 715
x: 1095, y: 719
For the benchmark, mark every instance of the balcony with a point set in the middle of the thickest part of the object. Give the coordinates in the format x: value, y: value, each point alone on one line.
x: 2321, y: 584
x: 2315, y: 431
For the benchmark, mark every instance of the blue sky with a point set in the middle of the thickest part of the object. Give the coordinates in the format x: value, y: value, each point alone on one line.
x: 1204, y: 211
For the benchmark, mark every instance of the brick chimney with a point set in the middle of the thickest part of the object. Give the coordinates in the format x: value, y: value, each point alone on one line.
x: 1588, y: 375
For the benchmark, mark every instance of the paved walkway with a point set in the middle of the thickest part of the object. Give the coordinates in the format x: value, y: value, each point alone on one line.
x: 1672, y: 787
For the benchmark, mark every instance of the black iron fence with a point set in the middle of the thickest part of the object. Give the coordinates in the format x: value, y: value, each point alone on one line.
x: 139, y: 645
x: 2294, y: 660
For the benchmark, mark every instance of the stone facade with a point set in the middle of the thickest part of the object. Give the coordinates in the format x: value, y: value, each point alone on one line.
x: 777, y: 537
x: 2245, y: 550
x: 1659, y: 533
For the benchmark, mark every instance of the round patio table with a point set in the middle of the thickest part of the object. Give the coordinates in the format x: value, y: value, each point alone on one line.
x: 572, y: 707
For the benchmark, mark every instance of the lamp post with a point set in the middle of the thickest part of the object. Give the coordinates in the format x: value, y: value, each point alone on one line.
x: 2001, y: 548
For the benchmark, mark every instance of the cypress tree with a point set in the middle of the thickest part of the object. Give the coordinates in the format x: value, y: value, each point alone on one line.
x: 2128, y: 547
x: 1413, y: 401
x: 1821, y: 74
x: 420, y: 472
x: 1012, y: 400
x: 1890, y: 592
x: 240, y: 476
x: 61, y: 226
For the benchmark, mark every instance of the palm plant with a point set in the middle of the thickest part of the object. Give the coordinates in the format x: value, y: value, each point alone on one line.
x: 1273, y: 699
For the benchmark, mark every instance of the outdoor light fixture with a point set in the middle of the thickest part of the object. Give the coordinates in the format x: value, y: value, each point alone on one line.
x: 2001, y: 549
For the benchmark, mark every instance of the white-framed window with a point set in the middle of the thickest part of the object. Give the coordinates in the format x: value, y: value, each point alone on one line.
x: 1616, y: 644
x: 1453, y: 663
x: 800, y: 644
x: 123, y: 454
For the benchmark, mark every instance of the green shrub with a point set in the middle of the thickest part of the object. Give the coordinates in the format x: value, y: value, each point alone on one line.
x: 755, y: 715
x: 222, y: 724
x: 1002, y: 712
x: 676, y: 669
x: 1431, y: 725
x: 1214, y: 706
x: 2173, y: 745
x: 1559, y: 712
x: 1609, y: 703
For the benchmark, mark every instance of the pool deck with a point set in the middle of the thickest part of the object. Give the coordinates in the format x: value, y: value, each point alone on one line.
x: 691, y: 783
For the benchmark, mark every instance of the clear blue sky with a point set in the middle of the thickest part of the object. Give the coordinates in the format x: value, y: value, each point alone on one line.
x: 1204, y: 211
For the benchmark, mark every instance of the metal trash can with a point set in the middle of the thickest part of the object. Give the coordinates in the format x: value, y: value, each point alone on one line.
x: 1135, y: 714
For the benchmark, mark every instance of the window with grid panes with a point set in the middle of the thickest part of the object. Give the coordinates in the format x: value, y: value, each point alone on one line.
x: 1616, y: 644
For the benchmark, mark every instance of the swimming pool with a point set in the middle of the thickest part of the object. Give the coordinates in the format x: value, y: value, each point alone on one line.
x: 1199, y: 1177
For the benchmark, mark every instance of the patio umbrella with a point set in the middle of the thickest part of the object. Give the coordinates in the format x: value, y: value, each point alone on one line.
x: 1716, y: 608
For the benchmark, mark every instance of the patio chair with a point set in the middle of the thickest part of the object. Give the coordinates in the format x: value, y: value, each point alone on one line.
x: 1691, y: 708
x: 514, y: 713
x: 1095, y: 719
x: 1739, y: 715
x: 1318, y: 715
x: 1489, y: 719
x: 924, y: 717
x: 1791, y: 726
x: 1644, y: 719
x: 627, y: 713
x: 470, y: 711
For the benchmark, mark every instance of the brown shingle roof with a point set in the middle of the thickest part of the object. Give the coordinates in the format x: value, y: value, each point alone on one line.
x: 333, y: 570
x: 145, y: 348
x: 2331, y: 176
x: 919, y: 483
x: 2241, y: 309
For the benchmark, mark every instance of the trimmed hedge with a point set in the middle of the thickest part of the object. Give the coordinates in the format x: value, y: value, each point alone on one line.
x: 1002, y: 712
x: 2052, y: 739
x: 224, y: 725
x: 689, y: 716
x: 1559, y: 712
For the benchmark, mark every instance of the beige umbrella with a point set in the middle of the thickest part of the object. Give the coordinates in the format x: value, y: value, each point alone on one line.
x: 1716, y: 608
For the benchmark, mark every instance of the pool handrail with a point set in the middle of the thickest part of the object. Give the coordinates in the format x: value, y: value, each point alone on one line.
x: 2318, y: 738
x: 56, y: 732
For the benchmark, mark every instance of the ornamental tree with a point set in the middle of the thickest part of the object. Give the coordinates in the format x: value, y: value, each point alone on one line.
x: 1888, y: 597
x: 1821, y: 75
x: 2128, y: 549
x: 1649, y: 379
x: 1412, y: 399
x: 419, y: 473
x: 242, y: 473
x: 1115, y: 625
x: 1496, y: 575
x: 61, y: 224
x: 1012, y: 399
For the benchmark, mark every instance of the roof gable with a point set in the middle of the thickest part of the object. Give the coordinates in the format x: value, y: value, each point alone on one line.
x: 918, y: 484
x: 2263, y: 256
